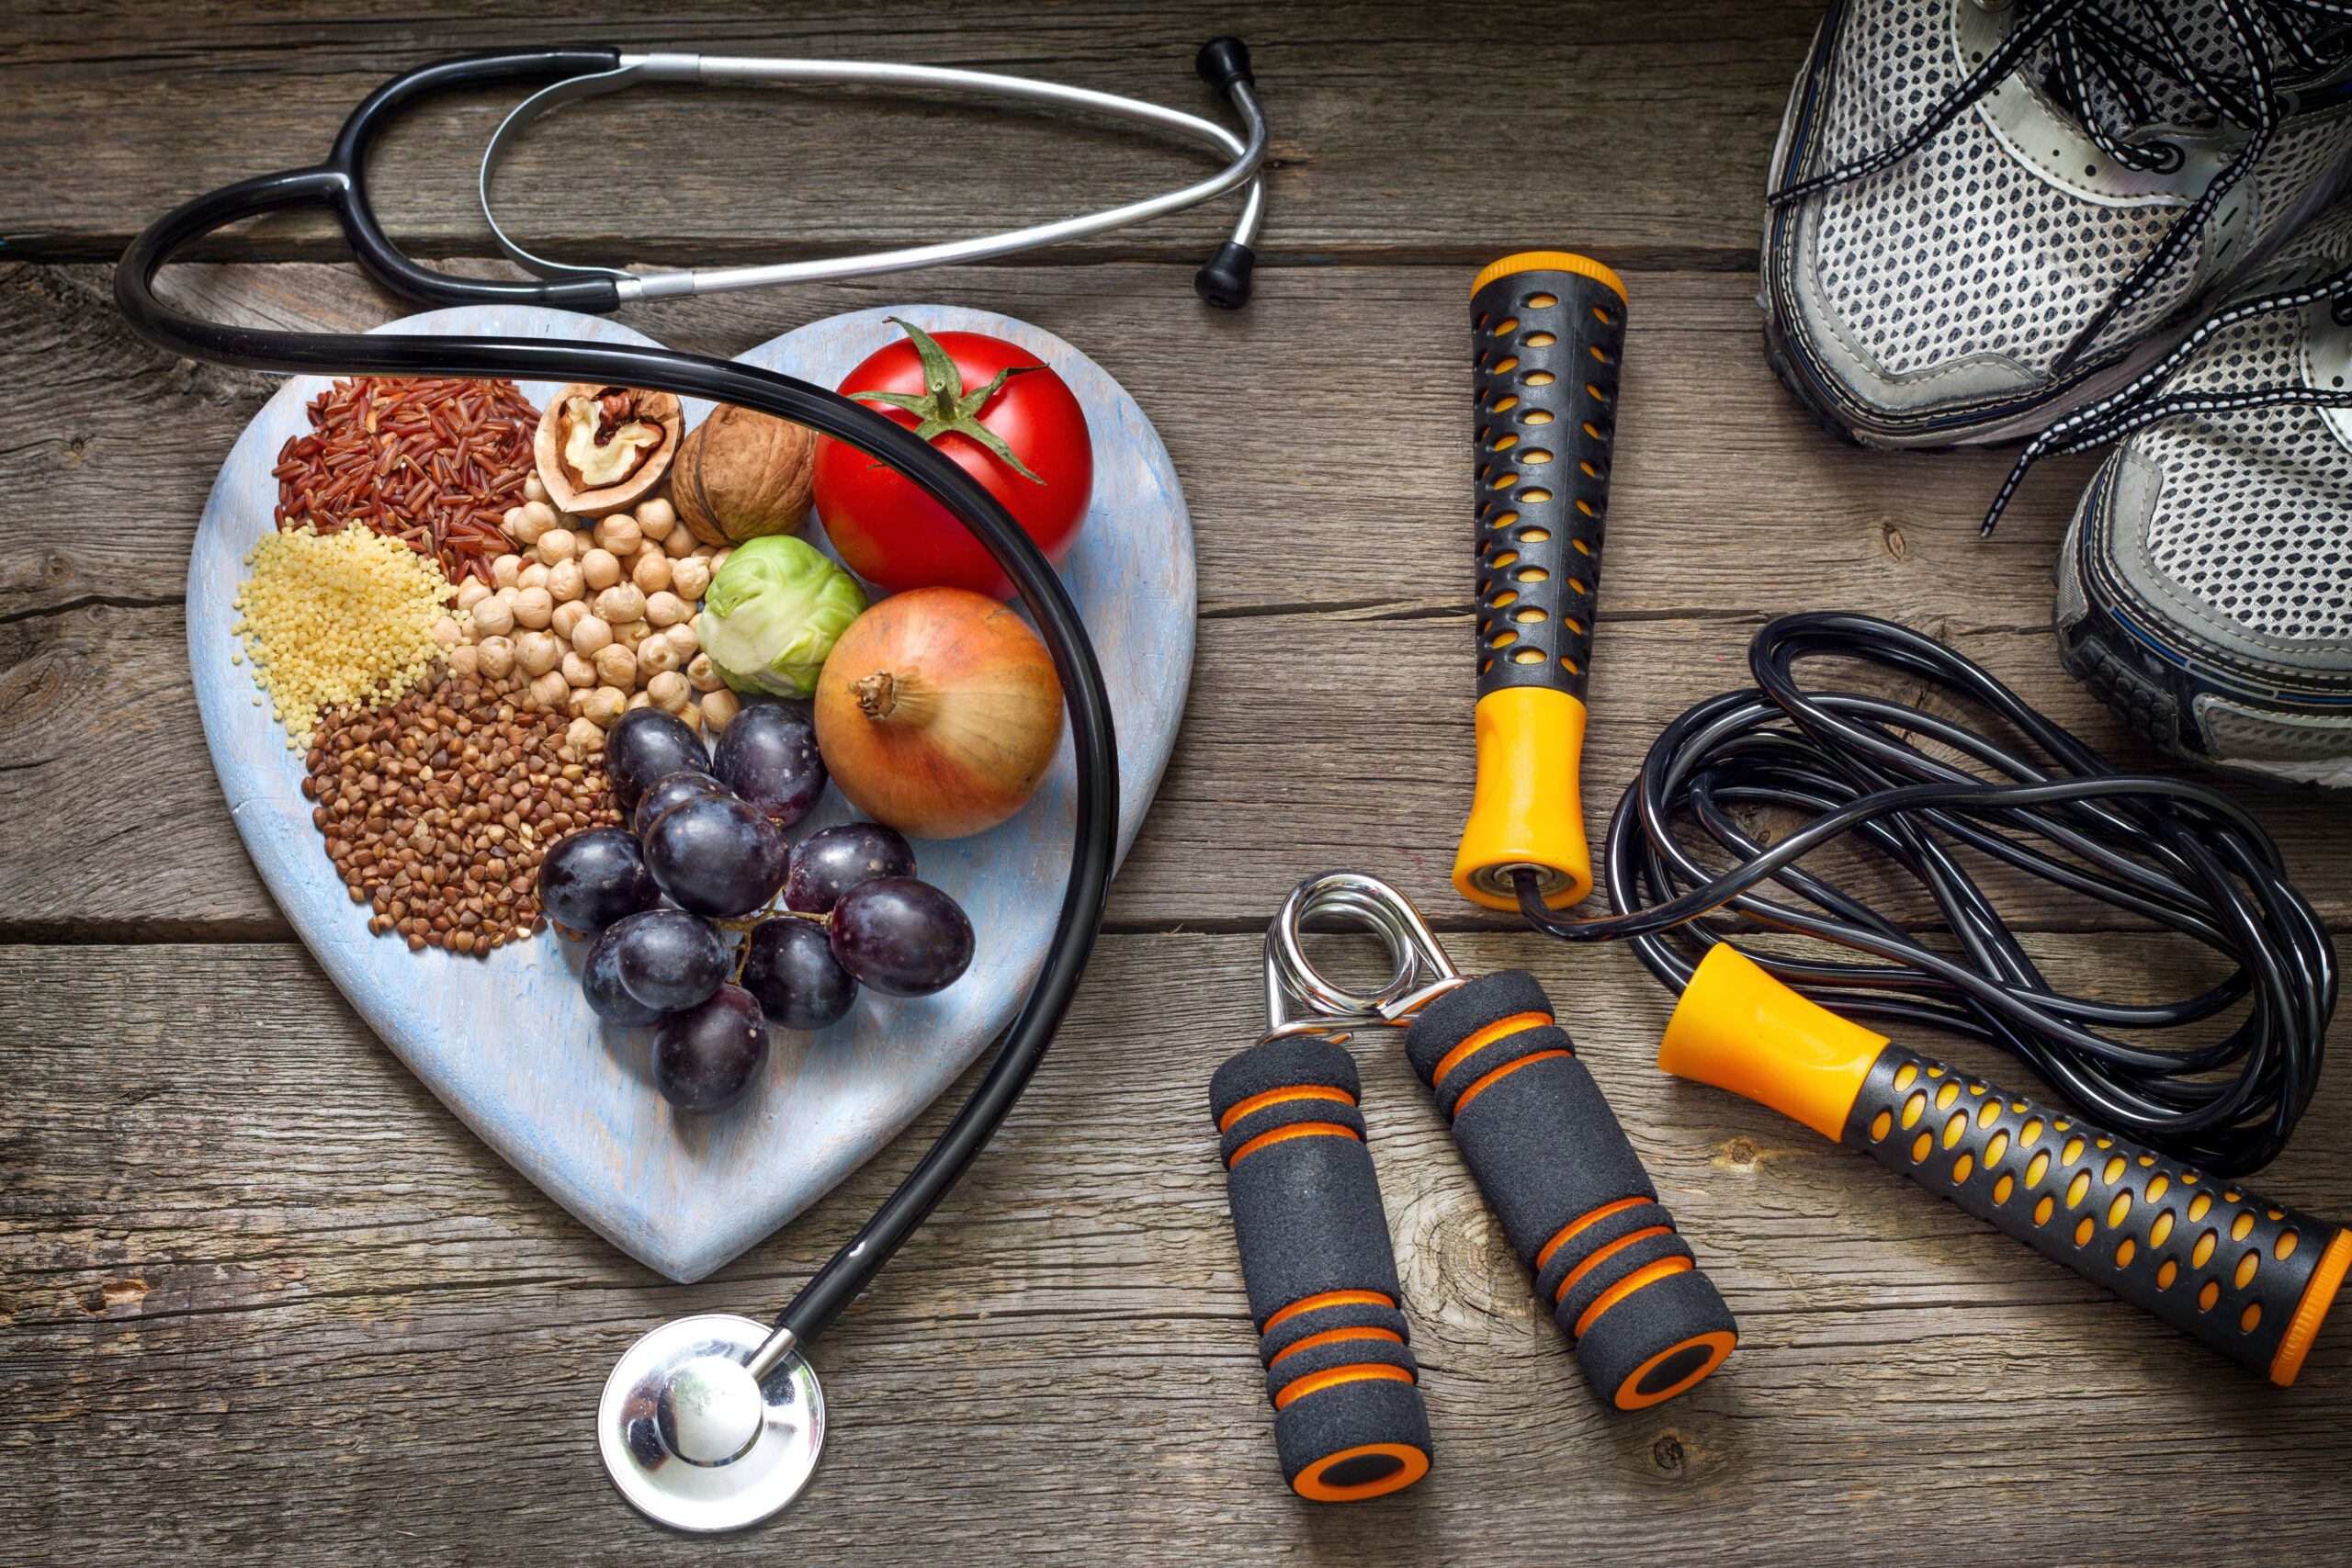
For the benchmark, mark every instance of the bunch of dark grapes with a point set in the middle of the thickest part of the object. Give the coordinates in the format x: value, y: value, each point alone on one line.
x: 707, y: 924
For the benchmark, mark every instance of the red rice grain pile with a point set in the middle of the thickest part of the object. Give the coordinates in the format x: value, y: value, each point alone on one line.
x: 433, y: 463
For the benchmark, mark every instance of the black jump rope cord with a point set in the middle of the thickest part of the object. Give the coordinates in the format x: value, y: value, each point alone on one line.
x: 2173, y: 851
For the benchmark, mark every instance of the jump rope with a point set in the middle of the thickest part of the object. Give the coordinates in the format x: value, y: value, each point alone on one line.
x: 2135, y: 1195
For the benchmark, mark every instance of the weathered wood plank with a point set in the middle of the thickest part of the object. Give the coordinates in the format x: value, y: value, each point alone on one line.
x: 1651, y: 127
x: 1311, y: 740
x: 246, y: 1258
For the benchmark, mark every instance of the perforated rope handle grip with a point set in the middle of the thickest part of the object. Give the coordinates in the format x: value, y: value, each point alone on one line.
x: 1570, y: 1191
x: 2250, y: 1277
x: 1348, y: 1422
x: 1548, y: 329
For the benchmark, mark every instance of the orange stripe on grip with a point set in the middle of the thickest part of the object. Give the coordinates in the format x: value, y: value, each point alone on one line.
x: 1649, y: 1275
x: 1295, y: 1130
x: 1315, y: 1383
x: 1476, y: 1089
x: 1619, y: 1244
x: 1328, y: 1299
x: 1481, y: 1038
x: 1257, y: 1102
x: 1573, y: 1226
x: 1335, y: 1337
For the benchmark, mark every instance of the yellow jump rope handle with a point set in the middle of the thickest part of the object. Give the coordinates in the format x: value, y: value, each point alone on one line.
x: 2250, y: 1277
x: 1549, y: 329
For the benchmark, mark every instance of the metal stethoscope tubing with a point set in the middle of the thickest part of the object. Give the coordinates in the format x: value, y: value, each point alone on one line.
x: 339, y: 185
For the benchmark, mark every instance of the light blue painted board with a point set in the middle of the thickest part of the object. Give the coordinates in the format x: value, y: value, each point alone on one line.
x: 509, y: 1045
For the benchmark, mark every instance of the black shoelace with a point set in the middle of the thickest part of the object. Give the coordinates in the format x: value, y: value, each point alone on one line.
x: 2094, y: 55
x: 2137, y: 405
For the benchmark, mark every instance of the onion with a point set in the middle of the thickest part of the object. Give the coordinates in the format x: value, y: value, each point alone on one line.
x: 939, y: 712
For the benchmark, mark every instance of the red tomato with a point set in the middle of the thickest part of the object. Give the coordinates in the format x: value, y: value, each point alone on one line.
x: 897, y: 537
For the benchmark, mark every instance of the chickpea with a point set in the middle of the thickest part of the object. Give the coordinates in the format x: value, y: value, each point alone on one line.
x: 576, y: 702
x: 505, y: 570
x: 702, y: 675
x: 679, y: 544
x: 668, y: 690
x: 719, y: 707
x: 593, y: 635
x: 629, y: 634
x: 655, y: 518
x: 534, y: 607
x: 666, y: 609
x: 585, y: 737
x: 656, y: 654
x: 621, y: 603
x: 465, y: 660
x: 549, y: 692
x: 533, y: 575
x: 638, y: 700
x: 567, y: 618
x: 604, y: 705
x: 601, y: 568
x: 521, y: 527
x: 507, y: 595
x: 565, y: 584
x: 558, y: 544
x: 690, y: 578
x: 534, y: 488
x: 682, y: 638
x: 718, y: 560
x: 579, y: 669
x: 619, y: 533
x: 471, y: 592
x: 691, y: 716
x: 446, y: 633
x: 616, y: 666
x: 537, y: 652
x: 495, y: 656
x: 492, y: 617
x: 649, y: 569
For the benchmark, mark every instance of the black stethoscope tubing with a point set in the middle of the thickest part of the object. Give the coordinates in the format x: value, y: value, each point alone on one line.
x: 339, y: 184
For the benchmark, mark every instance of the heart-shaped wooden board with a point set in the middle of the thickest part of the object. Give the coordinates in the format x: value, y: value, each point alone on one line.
x: 508, y: 1042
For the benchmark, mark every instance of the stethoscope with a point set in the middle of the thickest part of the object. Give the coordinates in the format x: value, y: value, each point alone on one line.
x: 714, y: 1422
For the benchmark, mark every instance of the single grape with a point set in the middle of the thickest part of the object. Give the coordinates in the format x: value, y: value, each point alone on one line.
x: 768, y: 755
x: 667, y: 959
x: 601, y: 979
x: 828, y: 863
x: 792, y: 971
x: 705, y: 1057
x: 672, y: 789
x: 593, y: 879
x: 901, y: 937
x: 645, y: 745
x: 716, y: 856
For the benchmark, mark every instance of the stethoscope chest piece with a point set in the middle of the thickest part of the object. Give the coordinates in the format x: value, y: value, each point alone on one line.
x: 695, y: 1439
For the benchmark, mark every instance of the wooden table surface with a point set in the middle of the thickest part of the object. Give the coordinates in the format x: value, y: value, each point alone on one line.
x: 266, y: 1300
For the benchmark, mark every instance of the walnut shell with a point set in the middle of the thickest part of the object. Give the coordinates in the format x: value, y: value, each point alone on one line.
x: 741, y: 474
x: 566, y: 494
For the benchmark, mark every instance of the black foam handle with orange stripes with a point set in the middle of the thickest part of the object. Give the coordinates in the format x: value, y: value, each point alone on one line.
x: 1546, y: 1150
x: 1321, y: 1276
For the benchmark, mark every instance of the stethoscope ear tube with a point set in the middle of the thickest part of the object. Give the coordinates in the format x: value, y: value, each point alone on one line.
x: 1094, y: 829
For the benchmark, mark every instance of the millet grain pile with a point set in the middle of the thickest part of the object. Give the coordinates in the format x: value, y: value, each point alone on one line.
x: 438, y: 807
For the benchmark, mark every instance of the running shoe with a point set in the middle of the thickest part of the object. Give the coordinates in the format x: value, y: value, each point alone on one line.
x: 1985, y: 214
x: 2205, y: 584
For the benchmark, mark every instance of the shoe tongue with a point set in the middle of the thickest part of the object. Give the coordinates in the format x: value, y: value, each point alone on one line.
x: 2203, y: 33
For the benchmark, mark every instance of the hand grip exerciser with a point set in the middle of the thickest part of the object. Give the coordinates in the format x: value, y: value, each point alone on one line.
x: 1553, y: 1164
x: 1570, y: 1191
x: 2250, y: 1277
x: 1549, y: 328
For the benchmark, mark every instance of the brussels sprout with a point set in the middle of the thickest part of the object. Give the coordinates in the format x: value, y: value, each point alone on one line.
x: 773, y: 613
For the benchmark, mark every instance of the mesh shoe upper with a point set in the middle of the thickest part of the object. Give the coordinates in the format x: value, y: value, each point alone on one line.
x: 1931, y: 300
x: 2217, y: 546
